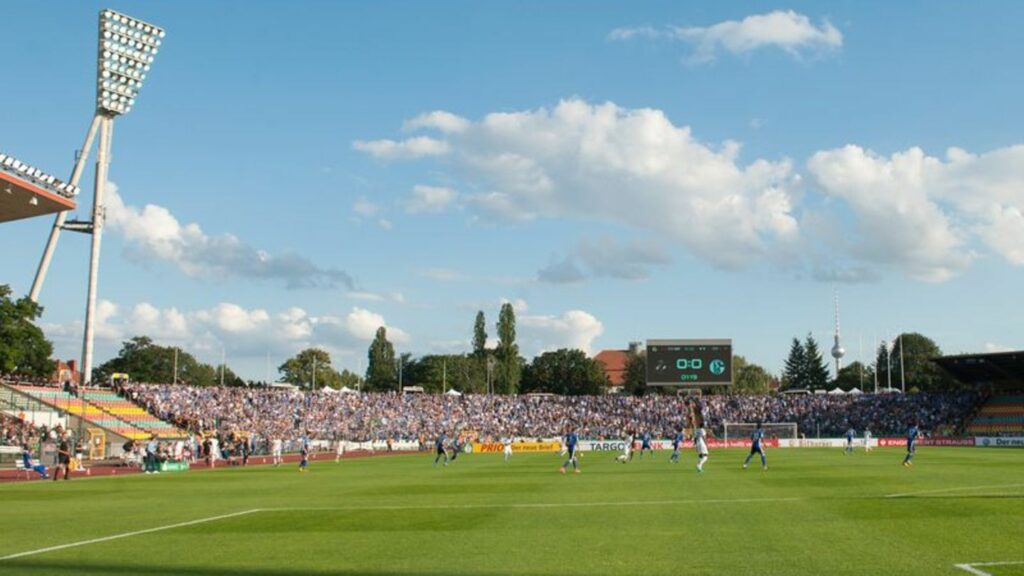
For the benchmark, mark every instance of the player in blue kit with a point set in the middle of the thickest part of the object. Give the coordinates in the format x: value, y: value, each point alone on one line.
x: 912, y: 434
x: 441, y: 445
x: 26, y: 459
x: 570, y: 445
x: 757, y: 447
x: 645, y: 444
x: 677, y: 444
x: 849, y: 440
x: 304, y: 452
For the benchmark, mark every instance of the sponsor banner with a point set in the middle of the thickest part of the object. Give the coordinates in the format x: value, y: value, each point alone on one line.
x: 620, y: 445
x: 821, y: 443
x: 987, y: 441
x: 497, y: 447
x: 928, y: 441
x: 739, y: 443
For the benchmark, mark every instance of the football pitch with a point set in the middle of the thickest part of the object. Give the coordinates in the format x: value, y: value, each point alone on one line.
x: 815, y: 511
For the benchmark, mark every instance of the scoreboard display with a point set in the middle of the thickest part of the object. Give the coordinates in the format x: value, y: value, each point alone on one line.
x: 689, y: 362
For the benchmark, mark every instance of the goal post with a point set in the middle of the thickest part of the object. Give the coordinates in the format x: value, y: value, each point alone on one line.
x: 742, y: 430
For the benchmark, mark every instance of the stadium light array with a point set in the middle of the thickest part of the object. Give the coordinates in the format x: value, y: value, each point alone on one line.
x: 29, y: 173
x: 127, y: 49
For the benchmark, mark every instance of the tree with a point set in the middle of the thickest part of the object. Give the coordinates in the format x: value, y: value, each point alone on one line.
x: 229, y: 376
x: 480, y: 335
x: 349, y: 379
x: 918, y: 369
x: 817, y: 369
x: 299, y: 369
x: 635, y: 382
x: 794, y: 374
x: 509, y: 366
x: 855, y: 375
x: 749, y: 378
x: 380, y: 370
x: 145, y: 361
x: 564, y: 371
x: 23, y: 347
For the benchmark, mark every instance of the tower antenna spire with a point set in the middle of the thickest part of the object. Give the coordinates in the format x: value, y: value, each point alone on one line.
x: 837, y: 348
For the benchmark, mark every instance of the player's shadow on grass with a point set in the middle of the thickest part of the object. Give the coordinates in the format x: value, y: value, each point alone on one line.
x: 85, y: 568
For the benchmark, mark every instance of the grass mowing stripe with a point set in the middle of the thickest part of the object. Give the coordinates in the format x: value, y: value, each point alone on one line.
x: 128, y: 534
x: 957, y: 489
x: 529, y: 505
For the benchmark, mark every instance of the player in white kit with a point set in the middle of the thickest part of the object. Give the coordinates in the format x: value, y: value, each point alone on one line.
x: 275, y: 451
x: 339, y: 451
x: 627, y: 449
x: 867, y: 440
x: 507, y: 441
x: 701, y: 446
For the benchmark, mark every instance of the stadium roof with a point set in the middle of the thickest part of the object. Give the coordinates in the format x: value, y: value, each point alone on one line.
x: 22, y: 198
x: 994, y: 368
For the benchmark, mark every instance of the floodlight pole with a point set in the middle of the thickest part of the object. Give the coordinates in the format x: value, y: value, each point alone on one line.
x: 58, y: 222
x: 98, y: 215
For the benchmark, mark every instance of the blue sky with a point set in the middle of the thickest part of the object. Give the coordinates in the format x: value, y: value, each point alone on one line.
x: 298, y: 174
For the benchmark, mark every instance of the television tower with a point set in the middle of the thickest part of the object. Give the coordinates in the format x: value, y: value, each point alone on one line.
x: 837, y: 349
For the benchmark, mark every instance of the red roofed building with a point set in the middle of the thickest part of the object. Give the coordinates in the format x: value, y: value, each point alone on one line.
x: 614, y: 362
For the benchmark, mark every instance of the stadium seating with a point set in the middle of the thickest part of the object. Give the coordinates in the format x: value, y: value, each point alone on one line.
x: 1003, y: 414
x: 105, y: 409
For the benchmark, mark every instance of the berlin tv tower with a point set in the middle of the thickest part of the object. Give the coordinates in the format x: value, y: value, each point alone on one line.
x: 837, y: 349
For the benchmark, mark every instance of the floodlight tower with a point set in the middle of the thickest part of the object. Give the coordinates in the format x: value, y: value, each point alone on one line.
x: 126, y: 50
x: 838, y: 352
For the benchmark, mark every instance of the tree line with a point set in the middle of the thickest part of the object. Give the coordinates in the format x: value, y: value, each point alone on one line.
x: 498, y: 369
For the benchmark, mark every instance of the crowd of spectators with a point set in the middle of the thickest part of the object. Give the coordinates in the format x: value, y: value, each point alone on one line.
x: 288, y: 414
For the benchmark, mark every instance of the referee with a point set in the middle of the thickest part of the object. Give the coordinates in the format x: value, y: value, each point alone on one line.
x: 63, y: 458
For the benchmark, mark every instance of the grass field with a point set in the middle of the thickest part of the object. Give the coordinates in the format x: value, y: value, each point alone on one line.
x: 815, y: 511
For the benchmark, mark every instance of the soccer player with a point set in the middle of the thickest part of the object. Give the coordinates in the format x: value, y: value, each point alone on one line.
x: 570, y: 445
x: 508, y: 447
x: 456, y: 446
x: 645, y: 444
x: 677, y: 443
x: 757, y: 447
x: 304, y: 453
x: 850, y: 434
x: 627, y: 449
x: 441, y: 445
x: 912, y: 434
x: 26, y: 460
x: 276, y: 451
x: 702, y: 448
x: 867, y: 440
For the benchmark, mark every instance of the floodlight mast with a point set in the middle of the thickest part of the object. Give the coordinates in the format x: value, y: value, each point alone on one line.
x: 127, y: 47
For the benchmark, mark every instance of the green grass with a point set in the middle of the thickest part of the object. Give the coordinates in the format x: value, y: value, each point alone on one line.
x: 814, y: 512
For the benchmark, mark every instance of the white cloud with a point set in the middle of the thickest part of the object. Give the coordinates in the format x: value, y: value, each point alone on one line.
x: 628, y: 166
x: 563, y: 271
x: 571, y: 329
x: 430, y: 199
x: 153, y: 233
x: 243, y: 332
x: 919, y: 212
x: 385, y: 224
x: 789, y: 31
x: 995, y: 348
x: 418, y: 147
x: 439, y: 120
x: 365, y: 207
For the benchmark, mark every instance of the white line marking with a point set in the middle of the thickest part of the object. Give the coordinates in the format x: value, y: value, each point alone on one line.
x: 128, y: 534
x: 959, y: 489
x: 972, y: 567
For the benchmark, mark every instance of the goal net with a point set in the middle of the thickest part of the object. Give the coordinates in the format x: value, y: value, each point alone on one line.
x: 742, y: 430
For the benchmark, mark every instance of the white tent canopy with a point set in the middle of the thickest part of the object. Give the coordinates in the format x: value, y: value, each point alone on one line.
x: 855, y: 391
x: 836, y: 390
x: 347, y: 390
x: 453, y: 392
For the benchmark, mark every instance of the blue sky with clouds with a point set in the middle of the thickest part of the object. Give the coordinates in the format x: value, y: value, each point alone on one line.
x: 298, y: 174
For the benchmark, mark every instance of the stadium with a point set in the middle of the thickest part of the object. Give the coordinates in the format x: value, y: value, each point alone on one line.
x: 529, y: 451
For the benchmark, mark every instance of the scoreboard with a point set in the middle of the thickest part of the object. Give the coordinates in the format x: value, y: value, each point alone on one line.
x: 689, y: 362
